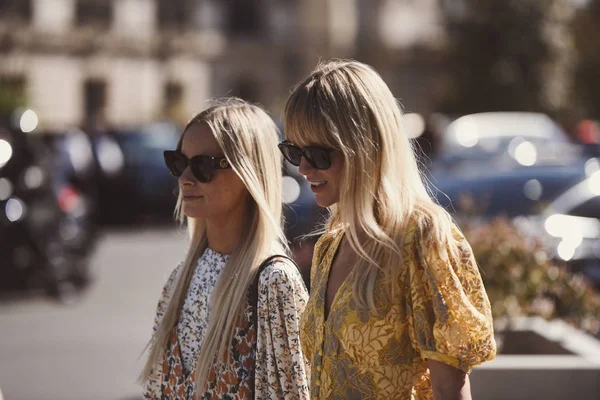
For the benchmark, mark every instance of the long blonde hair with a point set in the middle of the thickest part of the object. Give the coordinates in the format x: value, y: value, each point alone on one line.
x: 248, y: 138
x: 346, y: 105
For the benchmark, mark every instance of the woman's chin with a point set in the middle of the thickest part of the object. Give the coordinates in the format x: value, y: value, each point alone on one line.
x: 192, y: 212
x: 325, y: 201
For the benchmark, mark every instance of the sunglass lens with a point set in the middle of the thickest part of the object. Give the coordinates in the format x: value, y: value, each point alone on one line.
x: 292, y: 154
x: 319, y: 158
x: 179, y: 165
x: 175, y: 163
x: 202, y: 170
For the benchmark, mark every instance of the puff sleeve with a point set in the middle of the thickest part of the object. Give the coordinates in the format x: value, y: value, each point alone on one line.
x: 281, y: 369
x: 450, y: 313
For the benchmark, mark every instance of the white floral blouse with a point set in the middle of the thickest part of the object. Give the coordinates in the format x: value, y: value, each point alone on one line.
x: 281, y: 371
x: 193, y: 320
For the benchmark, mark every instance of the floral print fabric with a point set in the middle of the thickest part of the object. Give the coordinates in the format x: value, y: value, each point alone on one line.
x: 281, y: 368
x: 274, y: 355
x: 234, y: 377
x: 193, y: 319
x: 442, y: 313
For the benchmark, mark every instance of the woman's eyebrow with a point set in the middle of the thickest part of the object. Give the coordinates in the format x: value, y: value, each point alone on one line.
x: 206, y: 153
x: 184, y: 153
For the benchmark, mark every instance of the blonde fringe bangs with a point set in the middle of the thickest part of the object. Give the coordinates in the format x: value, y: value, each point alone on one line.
x: 307, y: 120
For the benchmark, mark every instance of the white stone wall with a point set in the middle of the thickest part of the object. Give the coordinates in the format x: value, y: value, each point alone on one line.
x: 342, y: 24
x: 403, y: 24
x: 54, y: 16
x: 135, y: 18
x: 55, y: 92
x: 134, y: 90
x: 134, y: 87
x: 195, y: 77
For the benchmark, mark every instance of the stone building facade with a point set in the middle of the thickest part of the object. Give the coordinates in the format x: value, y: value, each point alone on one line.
x: 132, y: 61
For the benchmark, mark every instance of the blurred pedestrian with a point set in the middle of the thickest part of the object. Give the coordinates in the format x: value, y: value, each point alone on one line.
x: 397, y: 308
x: 227, y: 325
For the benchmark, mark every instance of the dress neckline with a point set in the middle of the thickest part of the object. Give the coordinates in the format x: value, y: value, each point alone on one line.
x: 333, y: 250
x: 210, y: 251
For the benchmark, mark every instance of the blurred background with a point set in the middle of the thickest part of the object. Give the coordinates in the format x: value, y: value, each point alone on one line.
x: 501, y: 98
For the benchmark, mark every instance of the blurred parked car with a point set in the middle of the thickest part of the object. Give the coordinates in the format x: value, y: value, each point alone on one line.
x: 45, y: 233
x: 504, y: 192
x: 503, y: 140
x: 143, y: 187
x: 557, y: 203
x: 570, y: 225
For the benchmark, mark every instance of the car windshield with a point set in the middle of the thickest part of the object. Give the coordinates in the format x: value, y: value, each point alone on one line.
x: 512, y: 194
x: 147, y: 144
x: 481, y: 135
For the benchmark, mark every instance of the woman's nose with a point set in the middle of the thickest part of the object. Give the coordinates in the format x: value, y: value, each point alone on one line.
x: 187, y: 178
x: 305, y: 166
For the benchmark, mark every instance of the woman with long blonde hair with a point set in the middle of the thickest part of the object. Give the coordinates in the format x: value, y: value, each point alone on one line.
x: 397, y: 307
x: 227, y: 324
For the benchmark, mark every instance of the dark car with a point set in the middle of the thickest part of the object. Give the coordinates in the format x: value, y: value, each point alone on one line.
x: 511, y: 192
x: 143, y: 187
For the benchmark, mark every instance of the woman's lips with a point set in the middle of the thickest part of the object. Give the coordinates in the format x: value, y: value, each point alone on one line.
x: 191, y: 198
x: 317, y: 186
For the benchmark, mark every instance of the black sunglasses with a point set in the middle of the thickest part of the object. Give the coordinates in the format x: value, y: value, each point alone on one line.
x: 318, y: 157
x: 202, y: 166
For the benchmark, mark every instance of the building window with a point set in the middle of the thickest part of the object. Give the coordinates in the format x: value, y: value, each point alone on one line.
x: 94, y: 98
x: 246, y: 18
x: 173, y: 14
x: 20, y: 10
x: 189, y: 14
x: 173, y: 107
x: 96, y: 13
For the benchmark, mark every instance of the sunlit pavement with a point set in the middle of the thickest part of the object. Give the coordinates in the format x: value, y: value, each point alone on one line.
x: 90, y: 350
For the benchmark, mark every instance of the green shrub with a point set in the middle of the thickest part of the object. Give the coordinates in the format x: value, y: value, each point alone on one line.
x: 521, y: 280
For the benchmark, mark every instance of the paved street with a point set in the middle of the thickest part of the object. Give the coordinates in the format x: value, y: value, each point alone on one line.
x: 90, y: 350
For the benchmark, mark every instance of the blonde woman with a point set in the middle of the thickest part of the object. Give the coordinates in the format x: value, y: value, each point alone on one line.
x: 227, y: 325
x: 397, y: 308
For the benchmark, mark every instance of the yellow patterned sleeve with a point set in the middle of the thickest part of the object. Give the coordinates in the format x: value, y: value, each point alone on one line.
x: 451, y: 320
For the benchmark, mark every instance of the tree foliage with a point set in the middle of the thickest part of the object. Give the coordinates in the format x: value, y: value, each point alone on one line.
x: 586, y: 30
x: 521, y: 280
x: 507, y: 55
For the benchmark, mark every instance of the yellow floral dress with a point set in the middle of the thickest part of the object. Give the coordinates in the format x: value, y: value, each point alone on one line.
x: 442, y: 313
